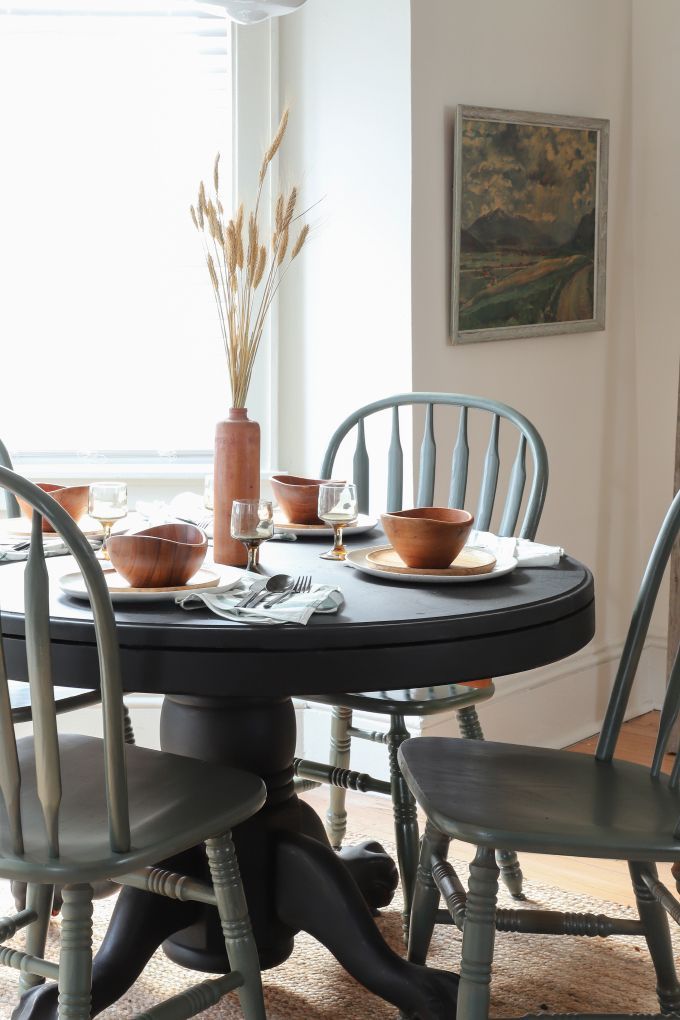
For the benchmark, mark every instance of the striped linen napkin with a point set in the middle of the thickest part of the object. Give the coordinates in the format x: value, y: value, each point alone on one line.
x: 295, y: 609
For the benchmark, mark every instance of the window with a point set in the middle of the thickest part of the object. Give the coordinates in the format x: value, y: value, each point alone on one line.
x: 111, y: 115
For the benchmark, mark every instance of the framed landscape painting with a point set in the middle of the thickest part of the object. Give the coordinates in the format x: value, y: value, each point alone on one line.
x: 529, y: 224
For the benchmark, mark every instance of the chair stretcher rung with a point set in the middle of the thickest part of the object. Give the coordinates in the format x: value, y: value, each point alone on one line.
x: 346, y: 779
x: 28, y: 964
x: 170, y: 884
x: 663, y: 895
x: 194, y: 1000
x: 375, y: 736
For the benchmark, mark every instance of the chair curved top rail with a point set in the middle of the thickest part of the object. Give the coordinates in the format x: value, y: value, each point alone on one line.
x: 42, y: 697
x: 528, y: 435
x: 10, y: 499
x: 632, y: 650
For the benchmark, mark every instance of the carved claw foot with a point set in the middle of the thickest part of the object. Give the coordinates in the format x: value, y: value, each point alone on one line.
x: 374, y: 872
x: 440, y: 991
x: 39, y: 1003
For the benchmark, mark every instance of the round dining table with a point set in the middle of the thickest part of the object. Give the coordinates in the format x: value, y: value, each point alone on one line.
x: 228, y: 690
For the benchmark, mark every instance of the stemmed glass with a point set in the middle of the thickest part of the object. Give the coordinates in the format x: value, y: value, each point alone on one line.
x: 337, y: 507
x: 252, y: 522
x: 107, y: 503
x: 209, y: 492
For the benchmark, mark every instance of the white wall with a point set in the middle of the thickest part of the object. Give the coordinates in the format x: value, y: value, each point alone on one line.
x: 345, y: 309
x: 656, y: 226
x: 603, y: 401
x: 585, y: 391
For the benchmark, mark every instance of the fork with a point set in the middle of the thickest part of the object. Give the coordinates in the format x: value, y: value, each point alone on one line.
x: 203, y: 524
x: 302, y: 584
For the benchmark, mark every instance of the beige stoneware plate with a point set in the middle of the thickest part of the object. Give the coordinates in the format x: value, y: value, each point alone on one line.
x: 359, y: 559
x: 20, y: 527
x: 74, y: 585
x: 364, y: 523
x: 469, y: 561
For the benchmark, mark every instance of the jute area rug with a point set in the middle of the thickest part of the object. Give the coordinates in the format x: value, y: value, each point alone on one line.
x: 532, y: 973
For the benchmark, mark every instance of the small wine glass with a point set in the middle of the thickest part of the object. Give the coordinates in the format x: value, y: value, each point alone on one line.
x: 209, y: 492
x: 252, y: 522
x: 107, y: 503
x: 337, y: 507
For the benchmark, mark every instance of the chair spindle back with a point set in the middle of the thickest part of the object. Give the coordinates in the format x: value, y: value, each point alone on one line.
x: 527, y: 437
x: 38, y: 653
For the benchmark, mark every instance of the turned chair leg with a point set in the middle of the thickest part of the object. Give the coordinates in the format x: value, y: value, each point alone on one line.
x: 336, y: 816
x: 657, y: 935
x: 405, y: 818
x: 38, y: 898
x: 511, y: 872
x: 425, y: 894
x: 75, y: 958
x: 479, y: 935
x: 238, y: 933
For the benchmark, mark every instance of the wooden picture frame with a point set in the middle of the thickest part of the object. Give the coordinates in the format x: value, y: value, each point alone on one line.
x: 529, y: 224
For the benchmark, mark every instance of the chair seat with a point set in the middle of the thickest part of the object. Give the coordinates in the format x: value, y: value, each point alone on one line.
x: 416, y: 701
x: 66, y: 699
x: 175, y: 803
x: 529, y: 798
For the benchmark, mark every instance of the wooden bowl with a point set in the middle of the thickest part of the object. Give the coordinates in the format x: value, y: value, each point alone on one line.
x: 73, y: 498
x: 430, y: 536
x: 165, y: 556
x: 298, y: 497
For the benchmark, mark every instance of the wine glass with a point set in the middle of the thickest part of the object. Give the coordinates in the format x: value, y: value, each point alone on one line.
x: 252, y: 522
x: 209, y: 492
x: 107, y: 503
x: 337, y: 507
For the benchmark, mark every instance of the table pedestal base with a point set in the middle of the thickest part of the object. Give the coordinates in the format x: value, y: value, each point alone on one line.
x: 293, y: 880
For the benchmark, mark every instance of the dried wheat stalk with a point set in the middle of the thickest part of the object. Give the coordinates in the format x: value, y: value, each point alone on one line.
x: 245, y: 278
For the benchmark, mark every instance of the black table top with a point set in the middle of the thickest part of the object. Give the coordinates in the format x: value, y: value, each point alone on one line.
x: 388, y: 634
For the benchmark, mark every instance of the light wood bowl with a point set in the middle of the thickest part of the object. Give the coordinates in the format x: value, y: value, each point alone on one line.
x: 299, y: 497
x: 73, y: 498
x: 161, y: 557
x: 429, y: 536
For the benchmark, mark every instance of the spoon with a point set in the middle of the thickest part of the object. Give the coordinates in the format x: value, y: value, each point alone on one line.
x: 275, y: 585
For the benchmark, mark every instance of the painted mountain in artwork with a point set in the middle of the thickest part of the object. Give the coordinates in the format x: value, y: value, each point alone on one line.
x: 583, y: 239
x: 498, y: 229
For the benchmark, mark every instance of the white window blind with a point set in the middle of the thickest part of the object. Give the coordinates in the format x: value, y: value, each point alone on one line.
x: 111, y: 114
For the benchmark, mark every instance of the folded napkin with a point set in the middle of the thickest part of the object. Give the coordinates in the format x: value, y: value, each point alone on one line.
x: 527, y: 554
x: 52, y: 546
x: 295, y: 609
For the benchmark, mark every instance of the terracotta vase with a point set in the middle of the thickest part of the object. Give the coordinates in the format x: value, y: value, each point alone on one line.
x: 237, y: 476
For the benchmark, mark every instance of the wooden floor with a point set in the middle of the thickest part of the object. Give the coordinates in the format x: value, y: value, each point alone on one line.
x: 603, y: 879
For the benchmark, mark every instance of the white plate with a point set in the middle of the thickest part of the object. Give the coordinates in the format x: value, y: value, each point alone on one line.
x: 20, y: 527
x: 364, y: 523
x: 357, y: 559
x: 204, y: 580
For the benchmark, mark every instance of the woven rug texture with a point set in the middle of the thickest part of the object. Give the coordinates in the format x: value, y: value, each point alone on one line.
x: 532, y: 973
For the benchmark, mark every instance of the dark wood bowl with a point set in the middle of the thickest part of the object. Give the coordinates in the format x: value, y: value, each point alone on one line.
x: 429, y: 537
x: 165, y: 556
x: 298, y: 497
x: 73, y: 498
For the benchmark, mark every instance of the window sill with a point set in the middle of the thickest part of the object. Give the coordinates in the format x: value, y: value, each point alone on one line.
x: 81, y: 469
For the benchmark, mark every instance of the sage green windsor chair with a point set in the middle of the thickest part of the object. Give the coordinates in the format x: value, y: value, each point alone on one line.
x: 77, y: 809
x: 429, y: 701
x: 552, y: 802
x: 66, y: 699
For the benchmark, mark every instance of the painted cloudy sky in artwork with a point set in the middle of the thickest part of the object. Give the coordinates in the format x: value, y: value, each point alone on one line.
x: 547, y: 174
